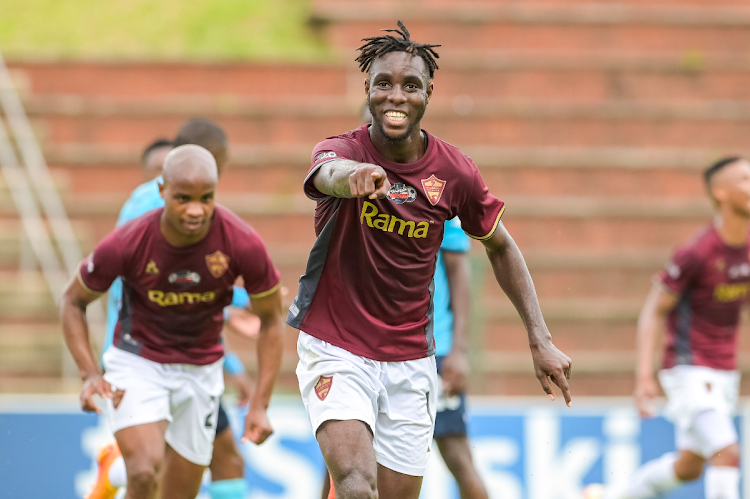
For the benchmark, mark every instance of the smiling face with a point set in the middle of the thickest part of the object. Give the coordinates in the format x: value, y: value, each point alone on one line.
x: 398, y: 91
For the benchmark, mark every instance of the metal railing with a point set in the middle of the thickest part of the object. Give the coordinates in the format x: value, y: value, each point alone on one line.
x: 31, y: 186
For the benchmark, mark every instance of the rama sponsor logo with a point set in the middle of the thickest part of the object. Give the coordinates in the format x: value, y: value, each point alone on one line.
x: 732, y: 292
x: 170, y: 299
x: 391, y: 223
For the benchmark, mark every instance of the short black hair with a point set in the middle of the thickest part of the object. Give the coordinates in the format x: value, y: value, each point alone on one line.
x: 157, y: 144
x: 709, y: 172
x: 202, y: 132
x: 378, y: 46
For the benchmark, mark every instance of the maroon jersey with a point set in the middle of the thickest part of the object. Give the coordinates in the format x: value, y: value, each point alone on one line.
x: 368, y: 283
x: 712, y: 280
x: 173, y: 297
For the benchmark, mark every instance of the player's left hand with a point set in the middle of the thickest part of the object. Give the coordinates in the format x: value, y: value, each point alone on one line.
x: 257, y: 426
x: 454, y: 371
x: 550, y: 364
x: 244, y: 386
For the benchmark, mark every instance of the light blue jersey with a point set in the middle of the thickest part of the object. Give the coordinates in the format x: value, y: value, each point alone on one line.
x: 454, y: 239
x: 143, y: 199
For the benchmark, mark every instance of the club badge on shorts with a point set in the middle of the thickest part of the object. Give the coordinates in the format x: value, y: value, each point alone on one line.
x: 433, y: 188
x: 323, y: 387
x: 217, y: 263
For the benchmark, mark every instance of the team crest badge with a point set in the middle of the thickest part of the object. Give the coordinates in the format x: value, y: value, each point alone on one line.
x: 433, y: 189
x: 151, y: 268
x: 217, y: 263
x: 323, y: 387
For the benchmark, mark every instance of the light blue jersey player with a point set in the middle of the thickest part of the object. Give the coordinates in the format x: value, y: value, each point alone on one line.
x: 451, y: 302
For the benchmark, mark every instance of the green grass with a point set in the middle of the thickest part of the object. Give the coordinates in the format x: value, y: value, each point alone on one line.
x: 159, y: 29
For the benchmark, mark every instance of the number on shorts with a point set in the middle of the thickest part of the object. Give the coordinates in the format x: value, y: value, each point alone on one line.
x: 210, y: 417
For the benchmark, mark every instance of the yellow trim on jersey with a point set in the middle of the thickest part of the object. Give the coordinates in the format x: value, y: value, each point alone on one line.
x: 80, y: 279
x: 489, y: 234
x: 266, y: 293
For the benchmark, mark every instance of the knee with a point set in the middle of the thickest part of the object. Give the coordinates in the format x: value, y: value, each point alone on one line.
x: 729, y: 456
x: 356, y: 484
x: 142, y: 475
x: 689, y: 467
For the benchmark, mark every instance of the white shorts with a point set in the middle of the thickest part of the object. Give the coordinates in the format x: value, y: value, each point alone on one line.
x: 701, y: 402
x: 397, y: 400
x: 184, y: 394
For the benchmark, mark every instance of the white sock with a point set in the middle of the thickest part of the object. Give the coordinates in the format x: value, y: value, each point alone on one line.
x: 650, y: 480
x: 722, y: 482
x: 118, y: 477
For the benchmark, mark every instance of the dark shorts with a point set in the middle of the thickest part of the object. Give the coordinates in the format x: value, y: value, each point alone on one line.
x: 451, y: 420
x: 223, y: 421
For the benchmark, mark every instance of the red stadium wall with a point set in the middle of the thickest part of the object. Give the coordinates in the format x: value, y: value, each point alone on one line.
x: 592, y: 120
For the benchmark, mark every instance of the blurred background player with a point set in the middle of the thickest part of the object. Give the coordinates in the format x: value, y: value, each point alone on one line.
x: 367, y: 370
x: 452, y: 306
x: 227, y: 466
x: 699, y: 297
x: 165, y: 366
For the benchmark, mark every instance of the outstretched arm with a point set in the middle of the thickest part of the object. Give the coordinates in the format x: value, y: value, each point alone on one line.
x: 651, y: 320
x: 344, y: 178
x: 73, y: 305
x: 550, y: 364
x: 270, y: 349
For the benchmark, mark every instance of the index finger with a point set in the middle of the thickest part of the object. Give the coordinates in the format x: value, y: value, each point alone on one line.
x: 561, y: 381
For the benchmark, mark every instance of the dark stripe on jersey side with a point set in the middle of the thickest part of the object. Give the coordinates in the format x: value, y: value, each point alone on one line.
x: 683, y: 351
x: 308, y: 283
x: 126, y: 341
x: 430, y: 327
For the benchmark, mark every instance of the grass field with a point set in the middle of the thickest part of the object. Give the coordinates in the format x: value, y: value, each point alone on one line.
x: 163, y: 29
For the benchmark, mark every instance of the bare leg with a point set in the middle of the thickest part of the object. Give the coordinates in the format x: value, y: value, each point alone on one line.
x: 395, y: 485
x: 226, y: 462
x: 350, y: 457
x: 688, y: 466
x: 142, y: 449
x: 181, y: 478
x: 728, y: 456
x: 457, y: 456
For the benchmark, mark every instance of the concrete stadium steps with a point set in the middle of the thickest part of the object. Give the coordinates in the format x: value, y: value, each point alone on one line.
x: 583, y: 76
x: 30, y: 349
x: 707, y: 125
x: 536, y: 25
x: 148, y: 80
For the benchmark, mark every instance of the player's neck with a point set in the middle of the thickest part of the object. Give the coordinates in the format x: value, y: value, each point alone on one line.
x: 176, y: 238
x: 409, y: 150
x: 732, y: 229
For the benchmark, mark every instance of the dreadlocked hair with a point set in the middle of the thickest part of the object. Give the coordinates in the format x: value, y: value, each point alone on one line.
x: 378, y: 46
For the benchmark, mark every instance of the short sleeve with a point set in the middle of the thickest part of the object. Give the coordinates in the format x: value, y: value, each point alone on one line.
x: 481, y: 211
x: 103, y: 265
x: 256, y: 268
x: 681, y: 272
x: 329, y: 150
x: 454, y: 238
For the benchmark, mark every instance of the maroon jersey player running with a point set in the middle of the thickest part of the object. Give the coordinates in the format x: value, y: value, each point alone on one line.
x: 698, y: 297
x: 367, y: 367
x: 164, y: 374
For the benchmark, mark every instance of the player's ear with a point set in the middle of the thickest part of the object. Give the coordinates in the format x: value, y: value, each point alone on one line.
x: 161, y: 189
x: 429, y: 92
x: 367, y: 86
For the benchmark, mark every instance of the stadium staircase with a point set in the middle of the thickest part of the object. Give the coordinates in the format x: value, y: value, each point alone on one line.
x: 591, y: 120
